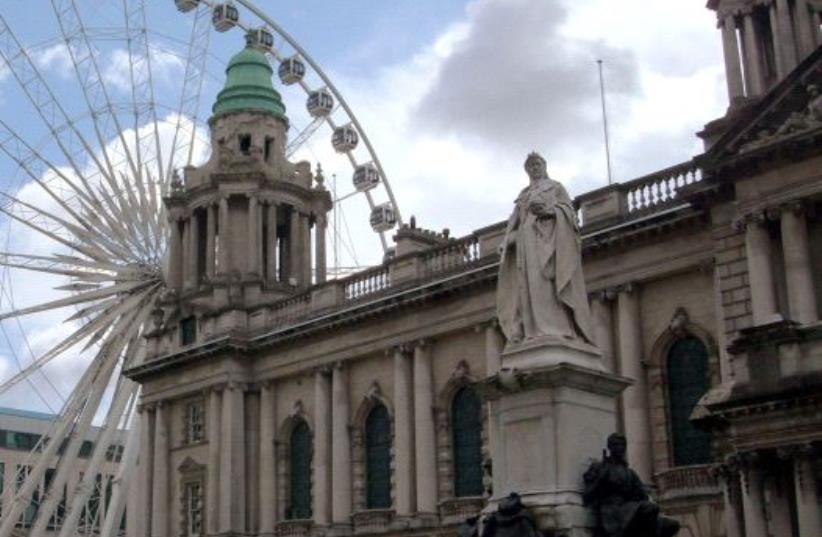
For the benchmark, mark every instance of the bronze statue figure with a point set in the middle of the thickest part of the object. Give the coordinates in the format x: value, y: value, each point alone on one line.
x: 511, y: 519
x: 619, y: 500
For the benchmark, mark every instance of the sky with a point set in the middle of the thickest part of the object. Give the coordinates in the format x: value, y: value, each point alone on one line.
x: 453, y: 94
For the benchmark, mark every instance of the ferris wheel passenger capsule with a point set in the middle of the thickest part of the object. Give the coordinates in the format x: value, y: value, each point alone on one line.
x: 225, y: 17
x: 291, y: 71
x: 320, y: 102
x: 345, y: 139
x: 260, y: 39
x: 186, y: 5
x: 383, y: 217
x: 366, y: 177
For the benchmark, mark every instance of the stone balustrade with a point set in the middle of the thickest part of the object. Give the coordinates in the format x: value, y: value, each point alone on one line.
x: 646, y: 195
x: 687, y: 481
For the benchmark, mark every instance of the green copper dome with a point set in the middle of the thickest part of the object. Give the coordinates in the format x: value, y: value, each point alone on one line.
x: 248, y: 87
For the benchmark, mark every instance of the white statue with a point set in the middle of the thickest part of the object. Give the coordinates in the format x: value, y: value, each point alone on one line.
x: 541, y: 290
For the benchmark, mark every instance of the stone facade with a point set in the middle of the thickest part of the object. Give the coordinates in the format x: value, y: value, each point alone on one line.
x: 714, y: 262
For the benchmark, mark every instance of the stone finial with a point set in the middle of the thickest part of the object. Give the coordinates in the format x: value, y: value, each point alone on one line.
x: 319, y: 177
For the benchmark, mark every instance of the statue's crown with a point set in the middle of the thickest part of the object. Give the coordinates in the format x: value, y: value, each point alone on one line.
x: 533, y: 155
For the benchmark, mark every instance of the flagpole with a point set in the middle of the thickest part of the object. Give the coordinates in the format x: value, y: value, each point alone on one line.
x: 605, y: 122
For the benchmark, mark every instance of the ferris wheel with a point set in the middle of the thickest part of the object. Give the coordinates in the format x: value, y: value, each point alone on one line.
x: 98, y: 109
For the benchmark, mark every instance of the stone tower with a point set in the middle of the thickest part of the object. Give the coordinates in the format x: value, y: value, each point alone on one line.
x: 243, y: 226
x: 763, y: 41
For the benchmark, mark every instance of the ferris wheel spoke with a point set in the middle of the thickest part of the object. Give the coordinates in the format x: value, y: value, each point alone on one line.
x: 124, y: 392
x: 93, y: 387
x: 106, y: 125
x: 142, y: 88
x: 89, y: 238
x: 79, y: 298
x: 193, y: 76
x: 122, y: 481
x: 304, y: 136
x: 65, y: 131
x: 110, y: 321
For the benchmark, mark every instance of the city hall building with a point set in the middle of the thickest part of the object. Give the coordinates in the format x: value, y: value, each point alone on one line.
x: 276, y: 401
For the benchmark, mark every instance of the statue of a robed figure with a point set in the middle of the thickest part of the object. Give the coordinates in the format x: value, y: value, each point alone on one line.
x: 619, y: 500
x: 541, y: 291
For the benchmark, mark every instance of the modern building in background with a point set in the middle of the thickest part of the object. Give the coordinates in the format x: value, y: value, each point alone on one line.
x: 21, y: 432
x: 276, y: 402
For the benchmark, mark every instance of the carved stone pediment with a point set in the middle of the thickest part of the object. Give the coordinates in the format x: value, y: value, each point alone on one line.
x: 790, y: 111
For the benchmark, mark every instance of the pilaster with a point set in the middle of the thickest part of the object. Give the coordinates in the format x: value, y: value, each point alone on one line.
x: 403, y: 434
x: 341, y: 450
x: 635, y: 417
x: 798, y: 267
x: 160, y: 488
x: 424, y: 430
x: 321, y: 488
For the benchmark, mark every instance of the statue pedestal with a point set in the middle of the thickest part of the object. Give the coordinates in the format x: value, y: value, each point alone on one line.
x: 552, y: 408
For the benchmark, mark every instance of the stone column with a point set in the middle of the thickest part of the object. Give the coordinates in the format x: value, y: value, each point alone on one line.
x: 494, y: 344
x: 322, y: 449
x: 160, y: 491
x: 805, y: 29
x: 753, y: 502
x: 341, y: 452
x: 295, y: 248
x: 232, y: 462
x: 787, y: 46
x: 305, y: 227
x: 776, y: 499
x: 268, y: 469
x: 778, y: 43
x: 603, y: 317
x: 211, y: 239
x: 319, y: 243
x: 798, y: 268
x: 635, y: 397
x: 251, y: 236
x: 753, y: 60
x: 175, y: 267
x: 760, y: 272
x: 146, y: 466
x: 185, y: 265
x: 213, y: 477
x: 272, y: 243
x: 808, y: 502
x: 729, y: 478
x: 403, y: 434
x: 225, y: 240
x: 424, y: 434
x: 733, y: 69
x: 193, y: 251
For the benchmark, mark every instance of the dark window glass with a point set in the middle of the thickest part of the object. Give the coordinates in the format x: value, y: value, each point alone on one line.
x: 687, y: 383
x: 466, y: 418
x: 188, y: 331
x: 378, y: 458
x: 86, y: 449
x: 245, y: 144
x: 301, y: 453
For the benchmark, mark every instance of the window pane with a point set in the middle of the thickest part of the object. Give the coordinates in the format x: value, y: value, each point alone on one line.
x: 301, y: 454
x: 466, y: 416
x: 687, y: 383
x: 378, y: 458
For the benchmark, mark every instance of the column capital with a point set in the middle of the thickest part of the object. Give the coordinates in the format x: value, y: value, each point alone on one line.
x: 233, y: 385
x: 606, y: 294
x: 627, y: 288
x: 797, y: 207
x: 402, y: 348
x: 757, y: 217
x: 323, y: 370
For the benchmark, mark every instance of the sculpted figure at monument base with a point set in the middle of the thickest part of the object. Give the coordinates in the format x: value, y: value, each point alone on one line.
x: 619, y: 500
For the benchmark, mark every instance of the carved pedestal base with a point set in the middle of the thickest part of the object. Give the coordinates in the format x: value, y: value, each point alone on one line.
x: 549, y: 420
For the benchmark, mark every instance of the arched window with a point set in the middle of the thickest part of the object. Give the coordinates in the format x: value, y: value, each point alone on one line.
x: 378, y: 458
x: 300, y: 457
x: 687, y: 383
x: 466, y: 419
